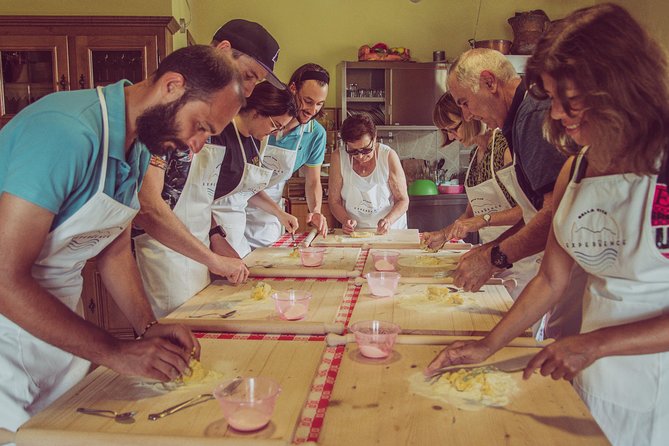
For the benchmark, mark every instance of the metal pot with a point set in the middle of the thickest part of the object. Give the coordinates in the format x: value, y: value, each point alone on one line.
x: 503, y: 46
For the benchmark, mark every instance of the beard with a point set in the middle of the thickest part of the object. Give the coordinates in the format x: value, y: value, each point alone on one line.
x: 157, y: 128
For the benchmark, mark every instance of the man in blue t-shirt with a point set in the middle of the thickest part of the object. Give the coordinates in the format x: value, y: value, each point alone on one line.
x: 72, y: 164
x: 301, y: 145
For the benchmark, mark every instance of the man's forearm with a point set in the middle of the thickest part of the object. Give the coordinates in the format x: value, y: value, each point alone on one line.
x: 163, y: 225
x: 121, y: 278
x: 530, y: 238
x: 314, y: 193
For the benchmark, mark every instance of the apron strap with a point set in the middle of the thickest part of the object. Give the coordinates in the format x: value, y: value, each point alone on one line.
x: 105, y: 139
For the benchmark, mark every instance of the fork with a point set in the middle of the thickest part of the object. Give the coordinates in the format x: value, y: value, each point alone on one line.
x: 222, y: 316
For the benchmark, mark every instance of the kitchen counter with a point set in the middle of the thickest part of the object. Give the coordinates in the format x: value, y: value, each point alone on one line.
x: 433, y: 212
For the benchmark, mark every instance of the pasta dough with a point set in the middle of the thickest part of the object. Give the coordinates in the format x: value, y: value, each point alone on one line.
x: 432, y: 298
x: 261, y: 291
x: 362, y: 234
x: 469, y: 389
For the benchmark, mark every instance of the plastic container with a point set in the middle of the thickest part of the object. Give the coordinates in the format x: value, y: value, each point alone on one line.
x: 250, y: 405
x: 375, y: 339
x: 292, y: 305
x: 423, y: 187
x: 385, y: 260
x: 382, y: 283
x: 450, y: 189
x: 312, y: 256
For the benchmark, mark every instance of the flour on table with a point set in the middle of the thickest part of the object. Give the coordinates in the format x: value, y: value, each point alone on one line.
x: 468, y: 389
x: 432, y: 298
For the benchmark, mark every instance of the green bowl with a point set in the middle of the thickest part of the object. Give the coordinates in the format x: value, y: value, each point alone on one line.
x: 423, y: 187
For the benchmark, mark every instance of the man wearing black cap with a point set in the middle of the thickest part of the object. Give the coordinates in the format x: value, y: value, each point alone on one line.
x: 174, y: 254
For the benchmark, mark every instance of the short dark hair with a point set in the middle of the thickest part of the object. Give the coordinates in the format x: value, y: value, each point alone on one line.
x: 267, y: 100
x: 296, y: 79
x: 206, y: 70
x: 356, y: 126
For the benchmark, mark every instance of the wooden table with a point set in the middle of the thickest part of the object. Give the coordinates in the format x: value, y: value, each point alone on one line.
x: 260, y: 316
x: 479, y: 313
x: 394, y: 238
x: 372, y: 404
x: 203, y: 424
x: 278, y: 262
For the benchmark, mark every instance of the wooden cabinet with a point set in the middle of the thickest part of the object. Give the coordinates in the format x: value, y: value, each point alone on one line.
x: 300, y: 210
x: 99, y: 306
x: 43, y: 54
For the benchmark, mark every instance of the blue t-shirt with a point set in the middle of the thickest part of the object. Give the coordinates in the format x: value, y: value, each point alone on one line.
x: 312, y: 147
x: 52, y: 152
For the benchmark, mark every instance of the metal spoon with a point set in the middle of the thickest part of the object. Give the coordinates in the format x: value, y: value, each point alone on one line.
x: 222, y: 316
x: 123, y: 417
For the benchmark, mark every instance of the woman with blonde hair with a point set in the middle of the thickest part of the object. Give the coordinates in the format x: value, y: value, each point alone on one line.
x: 612, y: 217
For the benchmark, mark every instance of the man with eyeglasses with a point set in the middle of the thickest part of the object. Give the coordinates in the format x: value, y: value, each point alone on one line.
x: 487, y: 88
x: 173, y: 253
x: 300, y: 145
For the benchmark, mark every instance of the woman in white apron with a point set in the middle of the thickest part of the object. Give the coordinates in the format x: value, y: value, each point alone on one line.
x: 41, y: 372
x: 491, y: 209
x: 244, y: 174
x: 262, y: 228
x: 367, y: 183
x: 611, y: 218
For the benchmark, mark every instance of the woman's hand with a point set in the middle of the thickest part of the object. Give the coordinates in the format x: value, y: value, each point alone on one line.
x: 461, y: 227
x: 564, y: 358
x: 289, y: 222
x: 319, y: 221
x: 435, y: 239
x: 459, y: 352
x: 349, y: 226
x: 383, y: 226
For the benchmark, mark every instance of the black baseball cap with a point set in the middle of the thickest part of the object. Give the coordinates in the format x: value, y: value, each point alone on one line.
x: 255, y: 41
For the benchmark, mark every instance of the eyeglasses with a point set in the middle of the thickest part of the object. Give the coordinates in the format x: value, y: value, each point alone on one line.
x: 361, y: 151
x: 275, y: 127
x: 453, y: 131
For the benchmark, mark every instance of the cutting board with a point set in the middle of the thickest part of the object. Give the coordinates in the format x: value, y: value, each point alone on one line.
x: 60, y: 424
x: 407, y: 263
x: 394, y: 238
x: 478, y: 314
x: 543, y: 411
x: 277, y: 262
x: 260, y: 316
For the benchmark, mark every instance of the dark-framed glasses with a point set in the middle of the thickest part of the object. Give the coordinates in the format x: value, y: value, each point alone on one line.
x: 361, y: 151
x: 275, y: 127
x: 453, y: 130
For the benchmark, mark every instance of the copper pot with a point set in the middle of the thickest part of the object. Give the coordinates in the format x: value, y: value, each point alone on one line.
x: 503, y: 46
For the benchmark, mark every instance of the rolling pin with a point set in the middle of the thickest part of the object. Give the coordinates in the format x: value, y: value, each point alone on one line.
x: 273, y: 327
x: 333, y: 339
x: 310, y: 238
x: 359, y: 281
x: 302, y: 272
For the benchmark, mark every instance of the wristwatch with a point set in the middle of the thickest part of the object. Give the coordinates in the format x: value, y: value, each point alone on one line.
x: 498, y: 258
x: 217, y: 230
x: 486, y: 218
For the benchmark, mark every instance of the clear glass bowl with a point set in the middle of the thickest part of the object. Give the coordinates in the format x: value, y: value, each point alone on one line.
x: 385, y: 260
x: 312, y: 256
x: 292, y: 305
x: 375, y: 339
x: 250, y: 405
x: 382, y: 283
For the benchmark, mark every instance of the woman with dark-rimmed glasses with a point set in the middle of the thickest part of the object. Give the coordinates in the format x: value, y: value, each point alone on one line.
x: 367, y: 184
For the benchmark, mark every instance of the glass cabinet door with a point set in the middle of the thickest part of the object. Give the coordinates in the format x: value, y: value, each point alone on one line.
x: 103, y: 60
x: 32, y: 67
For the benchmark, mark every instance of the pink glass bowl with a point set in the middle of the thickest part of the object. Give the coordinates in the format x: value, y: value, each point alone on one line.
x: 292, y: 305
x: 382, y: 283
x: 250, y: 405
x: 375, y: 339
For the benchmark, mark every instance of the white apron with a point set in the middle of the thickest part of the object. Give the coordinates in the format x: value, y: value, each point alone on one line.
x: 263, y: 228
x: 604, y: 224
x: 368, y: 199
x: 33, y: 373
x: 230, y: 211
x: 565, y: 318
x: 170, y: 278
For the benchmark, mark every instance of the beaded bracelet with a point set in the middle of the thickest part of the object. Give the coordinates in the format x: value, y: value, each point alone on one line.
x: 149, y: 325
